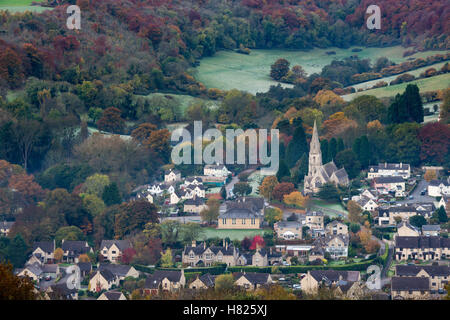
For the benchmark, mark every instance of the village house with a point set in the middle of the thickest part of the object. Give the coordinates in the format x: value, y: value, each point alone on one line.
x: 216, y: 170
x: 176, y: 196
x: 353, y: 290
x: 387, y: 215
x: 239, y: 219
x: 335, y: 245
x: 288, y: 230
x: 314, y: 220
x: 5, y: 227
x: 336, y: 227
x: 172, y: 175
x: 44, y: 250
x: 111, y: 250
x: 389, y: 183
x: 166, y: 280
x: 389, y: 169
x: 112, y: 296
x: 121, y: 271
x: 197, y: 191
x: 431, y: 230
x: 196, y: 205
x: 32, y: 271
x: 438, y: 275
x: 438, y: 188
x: 316, y: 253
x: 410, y: 288
x: 61, y: 291
x: 315, y: 278
x: 444, y: 202
x: 405, y: 229
x: 423, y: 248
x: 203, y: 282
x: 144, y: 194
x: 193, y: 181
x: 73, y: 249
x: 252, y: 280
x: 206, y: 256
x: 103, y: 280
x: 367, y: 204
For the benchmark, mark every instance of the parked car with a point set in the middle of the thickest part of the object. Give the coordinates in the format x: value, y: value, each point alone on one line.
x: 48, y: 278
x: 411, y: 197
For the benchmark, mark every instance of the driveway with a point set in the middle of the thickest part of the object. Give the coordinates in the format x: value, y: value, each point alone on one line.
x: 423, y: 184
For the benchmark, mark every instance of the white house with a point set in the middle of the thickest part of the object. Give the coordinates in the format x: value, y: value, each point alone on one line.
x: 171, y: 176
x: 175, y: 197
x: 44, y: 250
x: 389, y: 169
x: 198, y: 191
x: 367, y: 204
x: 216, y: 170
x: 437, y: 188
x: 389, y: 183
x: 193, y: 181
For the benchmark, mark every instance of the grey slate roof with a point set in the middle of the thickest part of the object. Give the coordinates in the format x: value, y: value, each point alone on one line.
x: 412, y: 271
x: 436, y: 183
x: 238, y: 213
x: 422, y: 242
x: 108, y: 275
x: 334, y: 275
x: 410, y: 283
x: 46, y: 246
x: 153, y: 281
x: 254, y: 277
x: 208, y: 280
x: 75, y: 248
x: 113, y: 295
x: 389, y: 179
x: 119, y: 270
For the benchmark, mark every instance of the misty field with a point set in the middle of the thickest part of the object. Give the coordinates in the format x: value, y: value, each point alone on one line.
x: 227, y: 69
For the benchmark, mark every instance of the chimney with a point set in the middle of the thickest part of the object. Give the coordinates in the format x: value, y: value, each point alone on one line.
x: 385, y: 164
x: 194, y: 243
x: 223, y: 242
x: 226, y: 245
x: 204, y: 245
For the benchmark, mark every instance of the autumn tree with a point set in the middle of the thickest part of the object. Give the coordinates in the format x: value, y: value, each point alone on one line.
x: 132, y: 217
x: 267, y: 186
x: 111, y: 121
x: 282, y: 189
x: 296, y: 199
x: 58, y: 254
x: 242, y: 189
x: 430, y: 175
x: 224, y: 282
x: 435, y: 143
x: 167, y: 259
x: 257, y: 242
x: 279, y: 69
x: 127, y: 256
x: 354, y: 212
x: 273, y: 214
x: 211, y: 213
x: 95, y: 184
x: 13, y: 287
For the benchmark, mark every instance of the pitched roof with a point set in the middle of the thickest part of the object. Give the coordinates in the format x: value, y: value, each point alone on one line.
x: 153, y: 281
x: 195, y: 202
x: 330, y: 168
x: 238, y: 213
x: 121, y: 244
x: 436, y: 183
x: 46, y: 246
x: 431, y: 227
x: 410, y: 283
x: 108, y: 275
x: 422, y: 242
x: 389, y: 179
x: 49, y: 268
x: 393, y: 166
x: 334, y: 275
x: 412, y: 271
x: 84, y: 266
x: 288, y: 224
x: 208, y: 280
x: 254, y: 277
x: 113, y: 295
x: 75, y: 247
x: 119, y: 270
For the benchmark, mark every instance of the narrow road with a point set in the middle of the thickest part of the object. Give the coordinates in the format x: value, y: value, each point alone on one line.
x: 388, y: 263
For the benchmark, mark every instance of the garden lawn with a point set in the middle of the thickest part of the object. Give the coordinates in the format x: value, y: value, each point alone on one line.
x: 232, y: 234
x: 20, y: 6
x: 230, y: 70
x: 331, y: 209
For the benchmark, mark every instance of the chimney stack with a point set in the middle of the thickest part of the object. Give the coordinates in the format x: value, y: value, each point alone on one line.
x: 194, y: 243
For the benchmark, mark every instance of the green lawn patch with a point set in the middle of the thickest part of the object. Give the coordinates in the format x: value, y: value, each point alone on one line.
x: 232, y: 234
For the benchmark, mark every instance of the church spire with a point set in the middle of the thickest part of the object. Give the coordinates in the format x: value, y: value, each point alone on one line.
x: 315, y: 144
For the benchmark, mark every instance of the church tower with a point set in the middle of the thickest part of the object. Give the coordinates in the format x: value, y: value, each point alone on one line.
x: 315, y: 154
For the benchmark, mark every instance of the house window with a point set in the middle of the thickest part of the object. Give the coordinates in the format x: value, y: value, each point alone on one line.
x: 243, y: 221
x: 191, y: 255
x: 224, y: 221
x: 233, y: 221
x: 253, y: 220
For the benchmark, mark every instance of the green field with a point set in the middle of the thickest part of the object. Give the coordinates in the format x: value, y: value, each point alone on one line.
x: 232, y: 234
x: 20, y: 6
x: 227, y: 69
x: 331, y: 209
x: 441, y: 81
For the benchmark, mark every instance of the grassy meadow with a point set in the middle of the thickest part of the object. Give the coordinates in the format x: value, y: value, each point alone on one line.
x: 20, y: 6
x: 227, y: 69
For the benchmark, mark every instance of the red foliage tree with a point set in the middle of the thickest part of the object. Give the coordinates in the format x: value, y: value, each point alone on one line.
x: 257, y: 242
x: 435, y: 138
x: 127, y: 256
x: 282, y: 189
x: 246, y: 243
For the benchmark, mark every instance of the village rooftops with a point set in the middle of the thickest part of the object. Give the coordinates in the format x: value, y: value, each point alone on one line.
x: 437, y: 183
x: 46, y: 246
x: 389, y: 179
x: 335, y: 275
x: 422, y: 242
x: 238, y: 213
x: 153, y: 281
x: 432, y: 270
x: 391, y: 166
x: 410, y: 284
x: 431, y: 228
x: 113, y: 295
x: 254, y: 277
x: 119, y: 270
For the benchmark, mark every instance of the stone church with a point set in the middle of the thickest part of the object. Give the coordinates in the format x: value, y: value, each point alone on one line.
x: 319, y: 174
